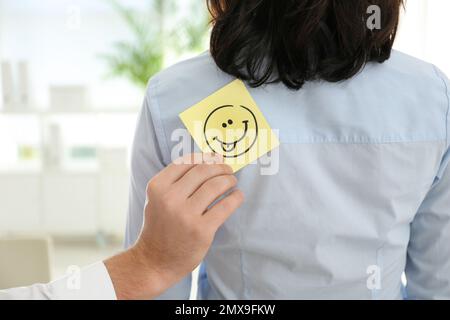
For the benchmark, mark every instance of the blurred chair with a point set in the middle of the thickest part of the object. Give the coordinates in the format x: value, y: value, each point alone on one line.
x: 24, y: 261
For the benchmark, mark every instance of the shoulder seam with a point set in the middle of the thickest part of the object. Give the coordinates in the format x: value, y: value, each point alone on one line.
x: 447, y: 94
x: 159, y: 126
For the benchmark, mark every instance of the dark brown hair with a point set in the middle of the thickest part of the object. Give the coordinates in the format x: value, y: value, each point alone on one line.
x: 294, y: 41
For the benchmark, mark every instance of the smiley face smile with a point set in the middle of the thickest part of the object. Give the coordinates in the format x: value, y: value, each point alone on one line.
x: 230, y: 146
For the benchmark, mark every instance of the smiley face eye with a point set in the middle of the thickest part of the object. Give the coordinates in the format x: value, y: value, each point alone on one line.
x: 229, y: 122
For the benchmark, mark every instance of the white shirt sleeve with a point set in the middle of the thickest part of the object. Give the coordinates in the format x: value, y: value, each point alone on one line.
x: 91, y: 283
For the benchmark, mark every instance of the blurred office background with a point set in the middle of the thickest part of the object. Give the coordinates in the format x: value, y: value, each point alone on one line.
x: 72, y: 80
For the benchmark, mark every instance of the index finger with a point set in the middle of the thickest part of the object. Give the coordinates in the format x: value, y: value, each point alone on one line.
x: 178, y: 168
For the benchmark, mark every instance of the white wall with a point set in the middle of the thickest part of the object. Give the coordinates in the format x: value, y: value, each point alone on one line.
x: 60, y: 52
x: 425, y: 32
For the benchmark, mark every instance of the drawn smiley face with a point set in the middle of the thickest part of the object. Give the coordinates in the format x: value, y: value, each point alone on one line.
x: 231, y: 130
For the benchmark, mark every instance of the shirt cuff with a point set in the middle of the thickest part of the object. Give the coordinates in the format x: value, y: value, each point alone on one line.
x: 91, y: 283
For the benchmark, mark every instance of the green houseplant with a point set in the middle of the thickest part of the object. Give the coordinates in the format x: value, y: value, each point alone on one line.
x: 155, y: 33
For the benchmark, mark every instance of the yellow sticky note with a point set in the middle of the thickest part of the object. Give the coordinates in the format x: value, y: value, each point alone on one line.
x: 230, y: 123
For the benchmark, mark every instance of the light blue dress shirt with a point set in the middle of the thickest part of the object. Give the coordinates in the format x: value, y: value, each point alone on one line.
x: 362, y: 193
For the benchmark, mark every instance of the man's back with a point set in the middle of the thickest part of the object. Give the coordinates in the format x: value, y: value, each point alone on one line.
x: 359, y: 181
